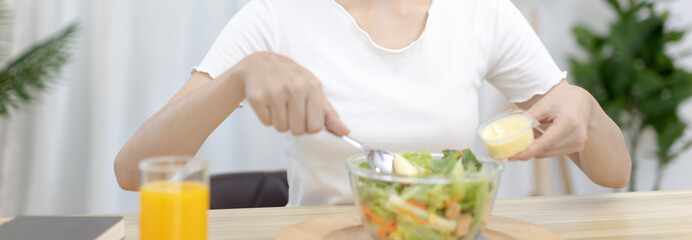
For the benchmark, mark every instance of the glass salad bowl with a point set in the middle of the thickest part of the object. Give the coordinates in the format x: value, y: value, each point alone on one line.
x: 448, y: 197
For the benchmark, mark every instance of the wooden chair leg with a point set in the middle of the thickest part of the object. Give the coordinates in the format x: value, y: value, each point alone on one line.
x: 541, y: 180
x: 566, y: 181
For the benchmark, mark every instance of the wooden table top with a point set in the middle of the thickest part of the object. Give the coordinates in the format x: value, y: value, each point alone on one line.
x: 639, y: 215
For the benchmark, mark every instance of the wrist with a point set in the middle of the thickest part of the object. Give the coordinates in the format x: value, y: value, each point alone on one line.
x: 595, y: 112
x: 590, y: 105
x: 233, y: 79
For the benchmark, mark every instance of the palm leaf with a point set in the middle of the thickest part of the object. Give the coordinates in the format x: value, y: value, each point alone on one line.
x: 33, y: 70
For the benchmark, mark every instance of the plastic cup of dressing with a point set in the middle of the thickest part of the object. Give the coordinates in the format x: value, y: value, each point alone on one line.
x: 508, y: 133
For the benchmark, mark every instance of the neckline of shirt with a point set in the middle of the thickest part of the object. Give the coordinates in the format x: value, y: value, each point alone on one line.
x: 378, y: 46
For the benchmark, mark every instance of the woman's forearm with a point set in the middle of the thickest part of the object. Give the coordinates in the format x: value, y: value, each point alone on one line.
x: 605, y: 159
x: 182, y: 126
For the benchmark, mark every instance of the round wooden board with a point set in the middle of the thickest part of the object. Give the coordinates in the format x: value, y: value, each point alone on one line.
x: 349, y: 226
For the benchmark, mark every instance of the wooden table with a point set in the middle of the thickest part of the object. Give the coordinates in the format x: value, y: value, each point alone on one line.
x: 640, y: 215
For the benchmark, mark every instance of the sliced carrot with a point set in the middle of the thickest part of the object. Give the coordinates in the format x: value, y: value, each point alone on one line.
x: 409, y: 214
x: 377, y: 219
x: 453, y: 200
x: 417, y: 204
x: 392, y: 223
x: 367, y: 211
x: 383, y: 233
x: 374, y: 216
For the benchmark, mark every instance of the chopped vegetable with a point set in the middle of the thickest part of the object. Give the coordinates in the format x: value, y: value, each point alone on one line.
x: 453, y: 211
x: 469, y: 160
x: 403, y: 166
x: 463, y: 225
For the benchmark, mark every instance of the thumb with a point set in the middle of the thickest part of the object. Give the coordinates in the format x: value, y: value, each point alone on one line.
x: 332, y: 120
x: 539, y: 146
x: 553, y: 135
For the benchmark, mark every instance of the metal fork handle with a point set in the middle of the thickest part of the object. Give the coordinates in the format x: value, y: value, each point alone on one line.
x: 351, y: 141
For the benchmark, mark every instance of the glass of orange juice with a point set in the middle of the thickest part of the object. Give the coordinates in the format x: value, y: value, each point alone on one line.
x: 174, y: 198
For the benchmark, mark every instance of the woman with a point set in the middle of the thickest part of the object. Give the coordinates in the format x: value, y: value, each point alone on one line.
x: 398, y: 75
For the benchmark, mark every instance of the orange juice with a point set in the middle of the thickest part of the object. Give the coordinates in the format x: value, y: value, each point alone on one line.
x: 174, y: 211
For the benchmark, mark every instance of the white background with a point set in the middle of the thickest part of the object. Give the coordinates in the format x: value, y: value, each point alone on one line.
x: 131, y: 57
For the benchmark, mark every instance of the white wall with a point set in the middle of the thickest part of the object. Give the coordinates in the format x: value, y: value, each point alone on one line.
x: 130, y: 59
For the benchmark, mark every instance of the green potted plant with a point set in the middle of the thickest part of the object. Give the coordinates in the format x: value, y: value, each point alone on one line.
x: 22, y: 77
x: 635, y: 80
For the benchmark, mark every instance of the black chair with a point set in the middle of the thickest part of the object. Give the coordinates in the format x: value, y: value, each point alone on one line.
x: 247, y: 190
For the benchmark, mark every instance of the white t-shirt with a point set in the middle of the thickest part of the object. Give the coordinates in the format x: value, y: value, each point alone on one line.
x: 423, y: 96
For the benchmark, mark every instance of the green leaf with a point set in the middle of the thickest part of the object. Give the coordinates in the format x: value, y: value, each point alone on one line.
x: 615, y: 4
x: 674, y: 36
x: 639, y: 6
x: 619, y: 78
x: 470, y: 162
x: 444, y: 165
x: 666, y: 138
x: 587, y: 39
x: 33, y: 70
x: 647, y: 83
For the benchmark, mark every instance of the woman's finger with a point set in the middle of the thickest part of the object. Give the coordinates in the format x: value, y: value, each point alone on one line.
x: 332, y: 120
x: 557, y: 132
x: 279, y: 112
x: 261, y: 109
x: 573, y: 142
x: 296, y: 113
x: 566, y: 150
x: 264, y: 114
x: 315, y: 111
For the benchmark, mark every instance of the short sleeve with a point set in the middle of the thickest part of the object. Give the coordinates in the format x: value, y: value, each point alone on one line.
x: 251, y: 30
x: 520, y: 66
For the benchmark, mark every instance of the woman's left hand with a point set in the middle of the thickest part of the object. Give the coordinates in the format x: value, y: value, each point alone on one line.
x: 566, y: 110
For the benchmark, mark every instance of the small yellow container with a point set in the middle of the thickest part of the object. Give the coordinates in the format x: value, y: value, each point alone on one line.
x: 508, y: 133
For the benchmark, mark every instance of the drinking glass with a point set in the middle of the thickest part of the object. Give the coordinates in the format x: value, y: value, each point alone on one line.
x: 174, y: 198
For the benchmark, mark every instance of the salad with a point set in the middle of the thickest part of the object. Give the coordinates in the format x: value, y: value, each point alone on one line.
x: 455, y: 209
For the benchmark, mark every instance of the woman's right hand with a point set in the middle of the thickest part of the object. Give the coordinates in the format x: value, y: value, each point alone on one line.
x: 287, y: 96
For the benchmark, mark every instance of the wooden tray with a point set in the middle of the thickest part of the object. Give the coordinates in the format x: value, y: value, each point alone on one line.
x: 349, y: 226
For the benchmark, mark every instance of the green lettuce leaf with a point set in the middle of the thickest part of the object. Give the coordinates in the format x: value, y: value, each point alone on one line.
x: 471, y: 164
